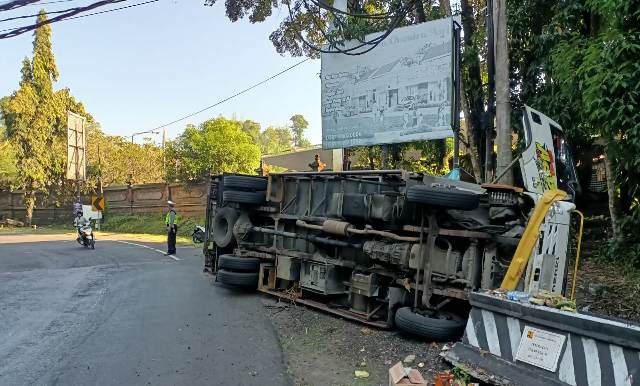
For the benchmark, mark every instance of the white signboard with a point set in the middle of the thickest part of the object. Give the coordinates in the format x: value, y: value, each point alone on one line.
x: 540, y: 348
x: 400, y: 91
x: 90, y: 214
x: 76, y: 147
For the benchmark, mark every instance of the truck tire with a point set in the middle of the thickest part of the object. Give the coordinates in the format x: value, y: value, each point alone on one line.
x: 238, y: 279
x: 238, y: 263
x: 443, y: 326
x: 245, y: 182
x: 450, y: 198
x: 253, y: 198
x: 223, y: 226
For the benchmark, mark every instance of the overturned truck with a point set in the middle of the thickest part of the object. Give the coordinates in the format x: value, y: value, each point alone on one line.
x: 388, y: 247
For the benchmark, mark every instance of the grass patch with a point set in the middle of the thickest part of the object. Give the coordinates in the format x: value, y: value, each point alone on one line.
x: 152, y: 224
x: 29, y: 230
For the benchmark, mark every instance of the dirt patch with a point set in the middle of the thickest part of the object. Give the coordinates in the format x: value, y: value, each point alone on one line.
x: 604, y: 288
x: 325, y: 350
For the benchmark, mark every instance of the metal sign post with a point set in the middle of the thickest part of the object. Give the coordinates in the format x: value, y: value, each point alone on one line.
x: 76, y: 151
x: 457, y: 74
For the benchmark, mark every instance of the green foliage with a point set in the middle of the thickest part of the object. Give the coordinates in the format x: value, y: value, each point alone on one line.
x: 252, y: 128
x: 276, y: 140
x: 32, y: 115
x: 298, y: 125
x: 596, y: 72
x: 36, y: 116
x: 8, y: 170
x: 461, y: 375
x: 116, y: 159
x: 419, y: 157
x: 309, y: 22
x: 216, y: 146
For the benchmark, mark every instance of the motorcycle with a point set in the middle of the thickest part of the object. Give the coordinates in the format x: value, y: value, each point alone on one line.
x: 85, y: 236
x: 198, y: 234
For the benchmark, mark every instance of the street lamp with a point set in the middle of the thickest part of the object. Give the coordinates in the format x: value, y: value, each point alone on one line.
x: 144, y: 132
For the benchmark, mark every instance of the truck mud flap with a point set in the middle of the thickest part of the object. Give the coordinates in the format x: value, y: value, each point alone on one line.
x: 512, y: 343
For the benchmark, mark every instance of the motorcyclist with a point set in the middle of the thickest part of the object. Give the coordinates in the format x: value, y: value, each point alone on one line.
x: 79, y: 222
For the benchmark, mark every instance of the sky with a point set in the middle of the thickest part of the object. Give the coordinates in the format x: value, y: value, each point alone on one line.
x: 139, y: 68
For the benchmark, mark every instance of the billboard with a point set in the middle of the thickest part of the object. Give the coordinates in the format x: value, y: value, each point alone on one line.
x: 76, y: 147
x: 400, y: 91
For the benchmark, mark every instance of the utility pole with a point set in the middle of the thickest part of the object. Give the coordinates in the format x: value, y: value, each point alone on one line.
x: 100, y: 187
x: 340, y: 5
x: 491, y: 72
x: 503, y: 100
x: 164, y: 153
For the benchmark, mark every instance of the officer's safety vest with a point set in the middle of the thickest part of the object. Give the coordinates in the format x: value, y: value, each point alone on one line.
x: 175, y: 219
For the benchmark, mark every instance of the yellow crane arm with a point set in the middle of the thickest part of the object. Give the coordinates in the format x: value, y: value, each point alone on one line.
x: 529, y: 237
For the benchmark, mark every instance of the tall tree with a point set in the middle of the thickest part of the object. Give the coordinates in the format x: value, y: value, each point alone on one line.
x: 503, y: 101
x: 216, y: 146
x: 8, y: 170
x: 276, y: 140
x: 116, y: 159
x: 298, y: 125
x: 253, y: 129
x: 473, y: 96
x: 32, y: 115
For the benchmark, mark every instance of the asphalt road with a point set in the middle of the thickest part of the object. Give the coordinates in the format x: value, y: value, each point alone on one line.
x: 123, y: 314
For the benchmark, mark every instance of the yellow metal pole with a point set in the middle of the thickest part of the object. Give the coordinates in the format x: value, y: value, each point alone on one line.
x: 529, y: 237
x: 575, y: 268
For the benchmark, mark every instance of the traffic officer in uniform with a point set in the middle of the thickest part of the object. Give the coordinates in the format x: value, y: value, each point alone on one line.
x: 171, y: 221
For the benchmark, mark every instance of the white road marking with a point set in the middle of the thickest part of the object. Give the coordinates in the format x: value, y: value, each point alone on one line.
x: 147, y: 247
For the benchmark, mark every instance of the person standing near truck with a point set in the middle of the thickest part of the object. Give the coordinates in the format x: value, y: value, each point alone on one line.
x: 171, y: 221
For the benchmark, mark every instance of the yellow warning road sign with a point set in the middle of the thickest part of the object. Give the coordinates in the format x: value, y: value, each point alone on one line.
x: 97, y: 202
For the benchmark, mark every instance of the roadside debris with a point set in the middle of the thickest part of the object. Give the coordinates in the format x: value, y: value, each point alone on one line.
x: 597, y: 289
x: 11, y: 223
x: 361, y: 374
x: 541, y: 298
x: 366, y: 331
x: 444, y: 379
x: 400, y: 375
x: 409, y: 359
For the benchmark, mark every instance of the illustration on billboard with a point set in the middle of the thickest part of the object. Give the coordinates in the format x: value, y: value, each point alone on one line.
x: 400, y: 91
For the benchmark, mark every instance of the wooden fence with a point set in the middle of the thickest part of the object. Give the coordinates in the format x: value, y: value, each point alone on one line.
x: 191, y: 201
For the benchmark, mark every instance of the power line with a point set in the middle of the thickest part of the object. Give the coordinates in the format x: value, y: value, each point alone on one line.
x: 394, y: 19
x: 16, y: 4
x: 70, y: 16
x: 52, y: 2
x: 46, y: 13
x: 230, y: 97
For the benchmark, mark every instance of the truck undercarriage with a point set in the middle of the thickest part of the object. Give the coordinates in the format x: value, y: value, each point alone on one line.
x: 364, y: 244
